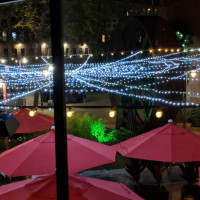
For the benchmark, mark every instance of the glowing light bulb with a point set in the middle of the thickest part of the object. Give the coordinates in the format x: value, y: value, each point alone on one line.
x: 159, y: 114
x: 112, y: 113
x: 32, y: 113
x: 51, y: 68
x: 44, y: 45
x: 3, y: 61
x: 69, y: 113
x: 193, y: 73
x: 24, y: 60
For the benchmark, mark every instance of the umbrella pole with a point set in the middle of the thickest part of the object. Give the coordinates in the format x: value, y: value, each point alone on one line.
x: 59, y: 99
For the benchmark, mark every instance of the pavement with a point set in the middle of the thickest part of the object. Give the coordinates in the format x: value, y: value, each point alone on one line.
x: 92, y: 99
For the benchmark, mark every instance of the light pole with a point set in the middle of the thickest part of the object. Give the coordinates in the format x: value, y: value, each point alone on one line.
x: 193, y: 74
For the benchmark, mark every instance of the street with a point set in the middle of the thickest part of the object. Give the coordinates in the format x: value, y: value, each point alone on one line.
x: 92, y: 99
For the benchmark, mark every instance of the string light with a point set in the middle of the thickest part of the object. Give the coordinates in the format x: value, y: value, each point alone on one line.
x: 122, y: 77
x: 70, y: 113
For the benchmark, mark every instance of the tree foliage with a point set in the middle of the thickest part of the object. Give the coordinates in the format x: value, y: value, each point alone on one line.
x: 83, y: 21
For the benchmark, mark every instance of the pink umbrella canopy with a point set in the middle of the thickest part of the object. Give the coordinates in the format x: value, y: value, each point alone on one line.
x: 28, y: 124
x: 168, y: 143
x: 37, y: 156
x: 80, y: 188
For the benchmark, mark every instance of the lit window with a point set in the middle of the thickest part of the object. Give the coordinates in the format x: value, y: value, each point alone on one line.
x: 103, y: 38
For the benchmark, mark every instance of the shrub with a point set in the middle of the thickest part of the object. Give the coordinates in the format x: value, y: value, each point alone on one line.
x: 90, y: 128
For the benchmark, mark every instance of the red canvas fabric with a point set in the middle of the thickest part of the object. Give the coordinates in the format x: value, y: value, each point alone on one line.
x: 37, y: 156
x: 80, y: 188
x: 168, y: 143
x: 28, y: 124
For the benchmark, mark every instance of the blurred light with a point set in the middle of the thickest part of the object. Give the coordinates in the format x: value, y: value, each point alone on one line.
x: 172, y: 50
x: 32, y: 113
x: 178, y: 50
x: 12, y: 58
x: 44, y: 45
x: 166, y: 50
x: 112, y: 113
x: 36, y: 57
x: 101, y: 54
x: 24, y: 60
x: 159, y: 49
x: 122, y: 53
x: 3, y: 61
x: 193, y: 73
x: 65, y: 44
x: 131, y: 52
x: 51, y: 68
x: 151, y: 50
x: 81, y: 56
x: 159, y: 114
x: 112, y: 54
x: 69, y: 113
x: 19, y: 44
x: 46, y: 72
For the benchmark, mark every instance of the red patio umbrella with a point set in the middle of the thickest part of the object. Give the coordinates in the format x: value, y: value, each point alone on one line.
x: 28, y: 124
x: 168, y: 143
x: 80, y: 188
x: 37, y: 156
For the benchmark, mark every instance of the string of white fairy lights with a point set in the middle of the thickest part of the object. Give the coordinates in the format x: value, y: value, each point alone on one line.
x: 130, y: 76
